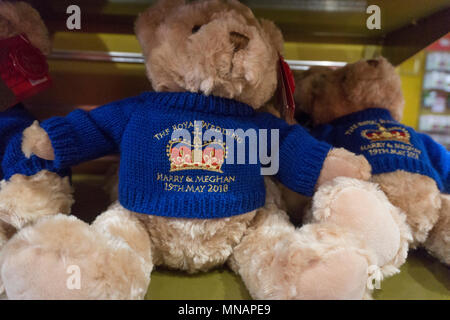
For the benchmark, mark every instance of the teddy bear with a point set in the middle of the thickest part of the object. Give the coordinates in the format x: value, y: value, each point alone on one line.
x: 30, y: 187
x: 188, y: 199
x: 359, y: 107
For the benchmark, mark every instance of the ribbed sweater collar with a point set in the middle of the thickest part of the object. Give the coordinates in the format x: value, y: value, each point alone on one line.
x: 199, y: 102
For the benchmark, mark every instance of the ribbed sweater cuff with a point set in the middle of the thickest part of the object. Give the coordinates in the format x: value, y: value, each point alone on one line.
x: 304, y: 173
x: 64, y: 143
x: 32, y: 166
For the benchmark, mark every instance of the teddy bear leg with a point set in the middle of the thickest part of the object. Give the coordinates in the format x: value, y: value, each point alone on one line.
x: 61, y: 257
x: 417, y: 196
x: 24, y: 199
x: 318, y: 261
x: 360, y: 208
x: 438, y: 242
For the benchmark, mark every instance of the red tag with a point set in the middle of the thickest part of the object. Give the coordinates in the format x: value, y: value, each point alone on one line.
x: 286, y: 89
x: 23, y: 69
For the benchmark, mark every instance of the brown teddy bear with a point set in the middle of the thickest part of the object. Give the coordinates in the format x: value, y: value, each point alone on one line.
x: 29, y: 188
x: 186, y: 201
x: 359, y: 107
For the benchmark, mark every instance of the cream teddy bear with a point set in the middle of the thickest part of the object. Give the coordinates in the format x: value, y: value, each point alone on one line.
x: 187, y: 200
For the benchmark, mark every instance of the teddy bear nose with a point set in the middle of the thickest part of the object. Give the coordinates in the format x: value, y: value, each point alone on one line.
x: 373, y: 62
x: 239, y: 41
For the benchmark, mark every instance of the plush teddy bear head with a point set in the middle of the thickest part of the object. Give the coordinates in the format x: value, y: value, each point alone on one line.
x: 326, y: 94
x: 20, y: 18
x: 214, y: 47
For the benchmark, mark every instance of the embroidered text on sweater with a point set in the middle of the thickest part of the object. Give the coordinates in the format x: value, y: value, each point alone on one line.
x: 388, y: 145
x: 189, y: 179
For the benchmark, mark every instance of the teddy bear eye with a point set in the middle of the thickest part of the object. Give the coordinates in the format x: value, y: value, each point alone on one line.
x: 196, y: 28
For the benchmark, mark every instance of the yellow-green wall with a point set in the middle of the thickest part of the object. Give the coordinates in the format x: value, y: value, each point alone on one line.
x: 411, y: 72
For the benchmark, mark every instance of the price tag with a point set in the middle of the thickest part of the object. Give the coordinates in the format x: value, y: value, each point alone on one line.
x: 286, y: 89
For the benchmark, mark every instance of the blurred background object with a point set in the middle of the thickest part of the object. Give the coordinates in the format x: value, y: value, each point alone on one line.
x: 434, y: 116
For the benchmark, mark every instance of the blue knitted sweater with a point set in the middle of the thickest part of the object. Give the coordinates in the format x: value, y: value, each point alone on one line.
x: 12, y: 123
x: 165, y: 176
x: 388, y: 145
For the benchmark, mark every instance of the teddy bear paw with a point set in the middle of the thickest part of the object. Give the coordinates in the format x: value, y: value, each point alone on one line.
x: 24, y: 199
x: 343, y: 275
x: 36, y: 141
x: 61, y: 257
x: 360, y: 208
x: 317, y: 261
x: 343, y: 163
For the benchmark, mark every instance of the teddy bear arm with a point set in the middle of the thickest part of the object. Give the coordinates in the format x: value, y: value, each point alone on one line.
x: 306, y: 162
x: 301, y: 159
x: 81, y: 135
x: 36, y: 141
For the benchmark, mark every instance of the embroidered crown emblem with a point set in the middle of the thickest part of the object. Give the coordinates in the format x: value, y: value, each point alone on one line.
x: 383, y: 134
x: 199, y: 155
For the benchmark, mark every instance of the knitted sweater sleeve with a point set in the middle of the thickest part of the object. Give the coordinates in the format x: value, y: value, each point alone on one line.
x: 439, y: 157
x: 301, y: 156
x: 325, y: 133
x: 12, y: 122
x: 83, y: 136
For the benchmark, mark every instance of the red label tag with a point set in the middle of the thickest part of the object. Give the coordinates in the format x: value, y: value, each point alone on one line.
x: 23, y: 68
x: 286, y: 89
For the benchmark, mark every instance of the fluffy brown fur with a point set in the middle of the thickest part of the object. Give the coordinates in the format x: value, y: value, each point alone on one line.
x: 438, y: 242
x: 35, y: 136
x: 215, y: 47
x: 415, y: 194
x: 24, y: 199
x: 35, y: 263
x: 327, y: 94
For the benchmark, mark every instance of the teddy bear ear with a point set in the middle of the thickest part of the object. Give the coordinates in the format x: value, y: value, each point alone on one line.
x: 20, y: 17
x: 150, y: 19
x: 274, y: 34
